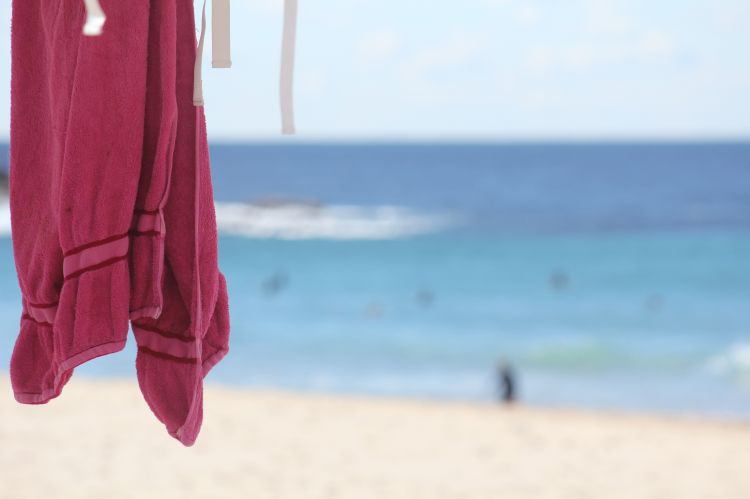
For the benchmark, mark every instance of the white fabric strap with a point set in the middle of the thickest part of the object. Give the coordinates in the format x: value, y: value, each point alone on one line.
x: 221, y: 48
x: 222, y: 57
x: 221, y: 34
x: 288, y: 44
x: 220, y: 42
x: 198, y: 70
x: 95, y: 18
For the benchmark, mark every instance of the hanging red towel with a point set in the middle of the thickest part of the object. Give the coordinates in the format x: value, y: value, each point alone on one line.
x: 112, y: 205
x: 77, y: 113
x: 180, y: 312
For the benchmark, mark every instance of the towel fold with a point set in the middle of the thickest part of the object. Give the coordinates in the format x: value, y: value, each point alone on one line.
x: 192, y: 329
x: 148, y: 227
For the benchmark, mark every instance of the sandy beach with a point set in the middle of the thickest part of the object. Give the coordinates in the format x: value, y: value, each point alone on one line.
x: 99, y: 440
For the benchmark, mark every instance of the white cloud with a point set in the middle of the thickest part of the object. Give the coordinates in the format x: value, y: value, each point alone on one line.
x: 377, y: 46
x: 269, y: 6
x: 523, y: 12
x: 453, y: 51
x: 528, y: 14
x: 649, y: 47
x: 606, y: 17
x: 311, y: 82
x: 657, y: 44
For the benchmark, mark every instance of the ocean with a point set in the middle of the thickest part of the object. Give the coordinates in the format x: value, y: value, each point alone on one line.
x: 611, y: 276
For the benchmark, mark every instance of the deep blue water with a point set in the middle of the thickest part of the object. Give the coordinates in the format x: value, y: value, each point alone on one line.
x: 528, y: 188
x: 609, y: 275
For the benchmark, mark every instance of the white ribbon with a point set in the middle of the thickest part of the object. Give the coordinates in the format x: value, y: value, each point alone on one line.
x: 198, y: 69
x: 222, y: 58
x: 95, y: 18
x: 221, y: 36
x: 221, y: 50
x: 288, y: 44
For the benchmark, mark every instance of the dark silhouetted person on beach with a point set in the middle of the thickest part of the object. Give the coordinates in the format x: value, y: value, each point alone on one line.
x: 506, y: 378
x: 3, y: 181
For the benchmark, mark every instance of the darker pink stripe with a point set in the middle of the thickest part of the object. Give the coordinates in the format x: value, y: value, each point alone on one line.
x: 41, y: 314
x: 41, y: 305
x: 96, y: 267
x: 181, y: 360
x: 27, y: 317
x: 95, y: 255
x: 86, y: 246
x: 163, y: 342
x: 148, y: 222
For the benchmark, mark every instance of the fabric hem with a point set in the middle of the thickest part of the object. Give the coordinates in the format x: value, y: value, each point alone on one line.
x: 145, y: 313
x: 65, y: 366
x: 149, y: 224
x: 210, y: 362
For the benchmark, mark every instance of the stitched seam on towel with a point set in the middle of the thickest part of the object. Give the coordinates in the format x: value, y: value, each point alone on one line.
x: 98, y: 266
x: 75, y: 355
x: 146, y: 221
x: 117, y: 342
x: 34, y: 393
x: 30, y: 318
x: 215, y: 347
x: 145, y: 233
x: 139, y: 211
x: 93, y: 244
x: 44, y: 314
x: 166, y: 356
x: 166, y: 334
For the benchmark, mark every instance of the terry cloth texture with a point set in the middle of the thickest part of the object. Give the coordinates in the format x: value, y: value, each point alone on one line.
x: 111, y: 203
x: 180, y: 316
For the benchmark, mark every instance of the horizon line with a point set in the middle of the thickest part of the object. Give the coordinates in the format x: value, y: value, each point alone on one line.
x: 458, y: 140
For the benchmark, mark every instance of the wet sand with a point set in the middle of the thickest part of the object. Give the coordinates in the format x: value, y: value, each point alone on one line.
x: 100, y: 440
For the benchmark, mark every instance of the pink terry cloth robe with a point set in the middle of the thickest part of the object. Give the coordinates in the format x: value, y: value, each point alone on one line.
x: 179, y: 302
x: 77, y: 109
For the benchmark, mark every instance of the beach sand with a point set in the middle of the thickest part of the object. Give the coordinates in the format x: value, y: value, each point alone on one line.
x: 100, y: 440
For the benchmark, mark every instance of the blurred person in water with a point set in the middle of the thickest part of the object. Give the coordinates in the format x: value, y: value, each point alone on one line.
x: 506, y: 383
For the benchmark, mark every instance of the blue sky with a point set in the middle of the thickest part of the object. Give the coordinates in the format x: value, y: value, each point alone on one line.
x: 483, y: 69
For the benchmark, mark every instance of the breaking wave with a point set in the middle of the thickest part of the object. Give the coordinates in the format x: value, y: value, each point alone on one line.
x: 313, y: 221
x: 735, y: 361
x: 4, y: 217
x: 310, y: 221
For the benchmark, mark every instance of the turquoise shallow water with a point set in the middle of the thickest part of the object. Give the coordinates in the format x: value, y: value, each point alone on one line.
x: 644, y: 321
x: 619, y: 291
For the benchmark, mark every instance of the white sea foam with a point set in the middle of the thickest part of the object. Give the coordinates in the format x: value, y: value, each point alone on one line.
x: 736, y: 360
x: 309, y: 221
x: 4, y: 217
